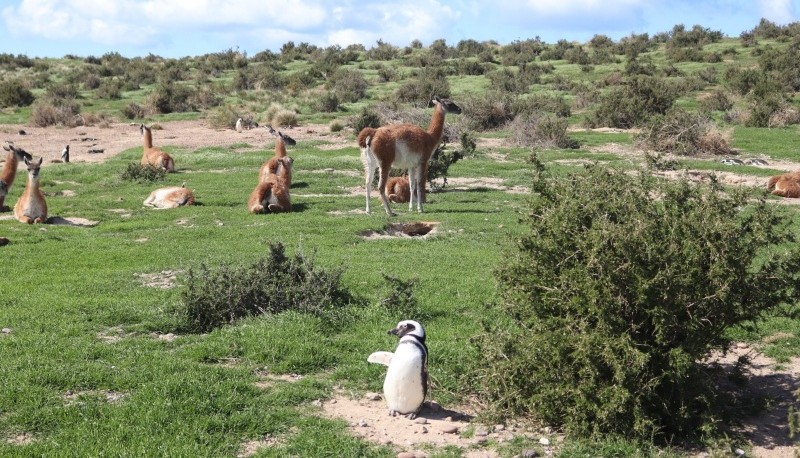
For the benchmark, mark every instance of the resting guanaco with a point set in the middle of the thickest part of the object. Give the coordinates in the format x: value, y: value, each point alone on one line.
x: 154, y: 156
x: 31, y: 206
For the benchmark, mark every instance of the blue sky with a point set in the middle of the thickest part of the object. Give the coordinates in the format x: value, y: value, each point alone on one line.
x: 179, y: 28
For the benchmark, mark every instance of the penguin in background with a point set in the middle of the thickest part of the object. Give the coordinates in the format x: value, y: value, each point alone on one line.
x: 65, y: 154
x: 406, y: 382
x: 239, y: 125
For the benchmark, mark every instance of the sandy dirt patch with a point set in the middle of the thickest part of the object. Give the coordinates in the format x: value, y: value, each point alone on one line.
x: 117, y: 137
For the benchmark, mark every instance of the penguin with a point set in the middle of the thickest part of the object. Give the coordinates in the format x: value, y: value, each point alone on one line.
x: 239, y: 125
x: 406, y: 382
x: 65, y: 154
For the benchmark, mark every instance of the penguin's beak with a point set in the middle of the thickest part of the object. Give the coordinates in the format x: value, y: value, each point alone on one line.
x: 394, y: 331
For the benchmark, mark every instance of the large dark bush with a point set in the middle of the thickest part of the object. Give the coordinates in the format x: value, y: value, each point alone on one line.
x: 14, y: 94
x: 622, y: 284
x: 635, y: 102
x: 276, y: 283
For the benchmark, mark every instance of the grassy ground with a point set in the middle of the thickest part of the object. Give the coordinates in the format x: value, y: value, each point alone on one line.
x: 86, y: 368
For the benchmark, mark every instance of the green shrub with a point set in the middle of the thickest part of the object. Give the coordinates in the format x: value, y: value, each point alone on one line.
x: 277, y: 283
x: 328, y: 102
x: 366, y: 118
x: 622, y: 284
x: 14, y: 94
x: 429, y: 82
x: 348, y: 85
x: 634, y: 103
x: 488, y: 110
x: 400, y: 301
x: 143, y: 173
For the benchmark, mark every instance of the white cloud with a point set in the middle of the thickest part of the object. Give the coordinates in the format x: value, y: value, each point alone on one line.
x: 779, y: 11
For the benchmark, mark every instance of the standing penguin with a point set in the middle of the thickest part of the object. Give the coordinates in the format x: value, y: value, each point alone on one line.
x: 406, y: 382
x: 239, y: 125
x: 65, y: 154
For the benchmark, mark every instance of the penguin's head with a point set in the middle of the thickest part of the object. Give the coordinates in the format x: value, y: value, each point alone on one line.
x: 409, y: 327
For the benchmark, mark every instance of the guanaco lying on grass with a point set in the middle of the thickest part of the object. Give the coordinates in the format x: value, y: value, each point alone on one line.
x: 272, y: 194
x: 31, y: 206
x: 10, y: 171
x: 170, y: 197
x: 397, y: 190
x: 154, y: 156
x: 786, y: 185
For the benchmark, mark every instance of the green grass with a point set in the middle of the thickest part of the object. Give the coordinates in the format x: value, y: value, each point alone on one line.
x: 84, y: 327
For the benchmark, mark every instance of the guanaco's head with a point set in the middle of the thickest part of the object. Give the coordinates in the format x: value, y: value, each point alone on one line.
x: 286, y: 139
x: 20, y: 153
x: 447, y: 105
x: 33, y: 167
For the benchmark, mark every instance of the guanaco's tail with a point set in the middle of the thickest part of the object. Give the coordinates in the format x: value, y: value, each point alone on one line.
x: 365, y: 134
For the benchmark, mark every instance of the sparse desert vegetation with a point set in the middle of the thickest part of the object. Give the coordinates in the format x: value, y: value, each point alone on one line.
x: 584, y: 254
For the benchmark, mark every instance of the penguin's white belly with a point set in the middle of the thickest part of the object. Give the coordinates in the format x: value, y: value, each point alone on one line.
x: 403, y: 387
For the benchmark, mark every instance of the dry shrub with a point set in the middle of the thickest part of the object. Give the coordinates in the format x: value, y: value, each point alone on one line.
x: 541, y: 130
x: 714, y: 141
x: 278, y: 115
x: 683, y: 133
x: 63, y: 114
x: 786, y: 115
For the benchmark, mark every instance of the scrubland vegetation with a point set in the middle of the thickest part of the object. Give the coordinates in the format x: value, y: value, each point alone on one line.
x: 584, y: 305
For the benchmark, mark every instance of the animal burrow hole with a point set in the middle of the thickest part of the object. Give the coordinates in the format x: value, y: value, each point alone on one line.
x: 421, y: 229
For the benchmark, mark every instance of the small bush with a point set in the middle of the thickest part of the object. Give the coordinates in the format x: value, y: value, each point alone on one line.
x: 541, y: 130
x: 488, y: 110
x: 134, y: 111
x: 366, y: 118
x: 621, y: 286
x: 400, y: 301
x: 14, y: 94
x: 277, y: 283
x: 336, y: 126
x: 46, y: 113
x: 277, y: 115
x: 439, y: 164
x: 715, y: 101
x: 143, y: 173
x: 327, y: 103
x: 683, y: 133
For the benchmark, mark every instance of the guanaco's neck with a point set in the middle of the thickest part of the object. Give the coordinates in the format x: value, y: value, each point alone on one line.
x: 280, y: 148
x: 33, y: 179
x: 437, y: 123
x: 148, y: 138
x: 10, y: 168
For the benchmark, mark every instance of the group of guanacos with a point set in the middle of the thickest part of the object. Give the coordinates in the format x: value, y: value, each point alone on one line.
x: 405, y: 146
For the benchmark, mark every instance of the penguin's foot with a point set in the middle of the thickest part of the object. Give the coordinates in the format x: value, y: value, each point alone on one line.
x: 411, y: 416
x: 392, y: 413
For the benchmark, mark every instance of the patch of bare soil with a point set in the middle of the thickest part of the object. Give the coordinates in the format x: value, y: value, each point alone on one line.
x: 86, y: 142
x: 21, y: 439
x: 435, y: 426
x: 769, y: 432
x: 78, y: 397
x: 420, y: 229
x: 165, y: 279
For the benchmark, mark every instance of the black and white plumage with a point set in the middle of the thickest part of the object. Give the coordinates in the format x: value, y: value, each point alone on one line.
x: 406, y: 382
x: 65, y: 154
x: 239, y: 125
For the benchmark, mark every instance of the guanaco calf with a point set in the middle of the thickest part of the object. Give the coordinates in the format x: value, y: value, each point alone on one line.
x: 398, y: 191
x: 10, y: 171
x: 31, y: 206
x: 170, y: 197
x: 272, y: 194
x: 786, y: 185
x: 154, y: 156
